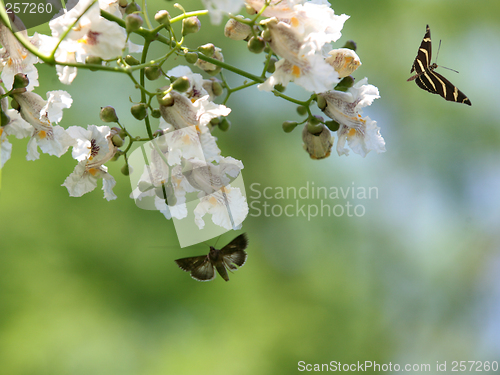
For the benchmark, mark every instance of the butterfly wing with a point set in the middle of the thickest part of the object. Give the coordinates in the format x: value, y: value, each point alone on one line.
x: 200, y: 267
x: 233, y: 254
x: 423, y: 59
x: 446, y: 89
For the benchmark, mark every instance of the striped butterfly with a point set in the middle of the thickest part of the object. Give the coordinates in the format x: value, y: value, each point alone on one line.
x: 426, y: 78
x: 230, y: 257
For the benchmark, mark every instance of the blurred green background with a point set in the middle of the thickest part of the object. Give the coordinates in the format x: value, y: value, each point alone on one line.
x: 90, y: 287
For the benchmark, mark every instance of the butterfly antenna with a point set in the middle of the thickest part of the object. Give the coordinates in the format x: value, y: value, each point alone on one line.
x: 439, y: 47
x: 437, y: 54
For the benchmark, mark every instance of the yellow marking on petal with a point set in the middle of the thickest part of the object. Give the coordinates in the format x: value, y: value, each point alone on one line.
x: 197, y: 128
x: 93, y: 171
x: 91, y: 157
x: 351, y: 133
x: 83, y: 41
x: 1, y: 131
x: 212, y: 200
x: 193, y: 100
x: 294, y: 22
x: 42, y: 134
x: 296, y: 71
x: 186, y: 138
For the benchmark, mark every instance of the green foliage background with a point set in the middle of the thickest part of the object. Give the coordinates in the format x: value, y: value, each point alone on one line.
x: 90, y: 287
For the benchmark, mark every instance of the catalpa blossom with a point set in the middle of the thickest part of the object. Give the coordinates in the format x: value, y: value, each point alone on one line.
x: 361, y: 133
x: 198, y: 86
x: 91, y: 35
x: 15, y: 58
x: 41, y: 114
x: 183, y: 115
x: 93, y: 148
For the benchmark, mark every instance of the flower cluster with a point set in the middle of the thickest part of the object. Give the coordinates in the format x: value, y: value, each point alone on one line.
x: 180, y: 161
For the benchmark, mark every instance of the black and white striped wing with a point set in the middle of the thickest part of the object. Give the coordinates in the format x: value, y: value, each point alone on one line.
x: 437, y: 84
x: 423, y: 59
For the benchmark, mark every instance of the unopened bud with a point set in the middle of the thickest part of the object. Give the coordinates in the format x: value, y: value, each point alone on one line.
x: 191, y: 57
x: 133, y: 22
x: 271, y: 68
x: 117, y: 140
x: 332, y: 125
x: 321, y: 101
x: 190, y: 25
x: 181, y: 84
x: 93, y: 60
x: 256, y: 44
x: 4, y: 119
x: 288, y: 126
x: 156, y: 113
x: 125, y: 170
x: 139, y: 111
x: 163, y: 17
x: 166, y: 100
x: 131, y: 60
x: 207, y: 49
x: 152, y: 72
x: 345, y: 84
x: 351, y: 44
x: 132, y: 8
x: 217, y: 88
x: 108, y: 114
x: 20, y: 81
x: 302, y: 110
x: 225, y: 125
x: 236, y: 30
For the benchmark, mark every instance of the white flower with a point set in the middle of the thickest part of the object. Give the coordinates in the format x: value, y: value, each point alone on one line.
x: 218, y: 8
x: 302, y: 58
x: 91, y: 35
x: 313, y: 74
x: 344, y: 61
x: 184, y: 114
x: 15, y: 58
x: 93, y: 148
x: 40, y: 114
x: 227, y: 206
x: 197, y: 85
x: 345, y: 108
x: 5, y: 148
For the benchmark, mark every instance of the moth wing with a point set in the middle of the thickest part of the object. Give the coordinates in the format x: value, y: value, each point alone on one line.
x: 233, y: 253
x: 204, y: 271
x: 187, y: 264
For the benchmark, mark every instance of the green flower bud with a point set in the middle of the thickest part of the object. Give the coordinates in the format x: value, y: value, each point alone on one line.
x: 166, y: 100
x: 132, y: 8
x: 152, y: 72
x: 302, y: 110
x: 190, y: 25
x: 256, y: 44
x: 133, y: 22
x: 314, y: 128
x: 320, y: 100
x: 191, y: 57
x: 351, y: 44
x: 207, y: 49
x: 225, y: 125
x: 122, y: 3
x: 117, y: 140
x: 217, y: 88
x: 181, y: 84
x: 315, y: 120
x: 156, y: 113
x: 162, y: 17
x: 144, y: 186
x: 318, y: 145
x: 94, y: 60
x: 279, y: 87
x: 125, y: 170
x: 332, y: 125
x: 131, y: 60
x: 20, y: 81
x: 271, y: 68
x: 345, y: 84
x: 288, y: 126
x: 215, y: 121
x: 15, y: 105
x: 266, y: 35
x: 108, y: 114
x: 139, y: 111
x: 250, y: 10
